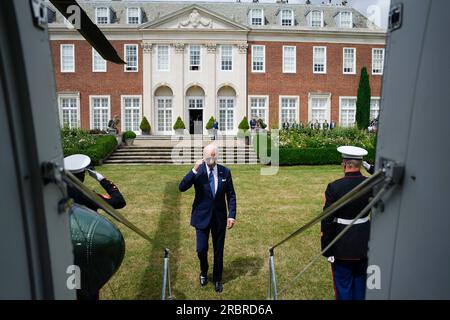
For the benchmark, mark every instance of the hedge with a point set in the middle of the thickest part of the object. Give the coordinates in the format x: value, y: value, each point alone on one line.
x: 103, y: 147
x: 315, y: 156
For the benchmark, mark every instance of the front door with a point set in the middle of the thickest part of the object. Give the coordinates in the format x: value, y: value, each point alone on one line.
x: 195, y: 107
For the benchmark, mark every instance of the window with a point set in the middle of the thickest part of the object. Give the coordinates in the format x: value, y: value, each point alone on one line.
x: 102, y: 15
x: 289, y: 110
x: 195, y: 103
x: 258, y: 58
x: 347, y: 112
x: 67, y: 58
x: 320, y: 60
x: 319, y: 108
x: 131, y: 108
x: 98, y: 63
x: 226, y: 57
x: 256, y: 17
x: 377, y: 61
x: 374, y: 108
x: 134, y: 15
x: 287, y: 17
x: 258, y: 108
x: 289, y: 59
x: 316, y: 18
x: 164, y: 107
x: 194, y: 57
x: 100, y: 112
x: 131, y: 58
x: 162, y: 55
x: 345, y: 20
x: 69, y: 111
x: 226, y: 114
x: 349, y: 61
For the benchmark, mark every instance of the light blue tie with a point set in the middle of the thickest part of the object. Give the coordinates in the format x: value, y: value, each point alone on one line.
x: 212, y: 183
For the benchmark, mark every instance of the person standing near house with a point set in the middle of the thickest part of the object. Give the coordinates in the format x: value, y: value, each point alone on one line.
x: 214, y: 192
x: 215, y: 129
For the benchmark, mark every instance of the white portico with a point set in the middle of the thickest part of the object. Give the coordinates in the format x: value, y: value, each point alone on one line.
x: 194, y: 67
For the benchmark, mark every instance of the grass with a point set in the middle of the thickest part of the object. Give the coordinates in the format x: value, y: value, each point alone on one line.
x: 269, y: 208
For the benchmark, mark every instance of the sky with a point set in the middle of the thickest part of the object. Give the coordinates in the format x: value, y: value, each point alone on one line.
x: 376, y: 10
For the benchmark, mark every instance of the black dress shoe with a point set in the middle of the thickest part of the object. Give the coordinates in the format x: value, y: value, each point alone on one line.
x: 218, y: 286
x: 203, y: 280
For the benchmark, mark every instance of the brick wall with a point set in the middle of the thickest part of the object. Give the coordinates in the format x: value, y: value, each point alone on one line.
x: 115, y: 82
x: 275, y: 83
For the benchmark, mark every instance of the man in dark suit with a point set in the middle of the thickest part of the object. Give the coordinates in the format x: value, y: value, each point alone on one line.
x: 213, y: 184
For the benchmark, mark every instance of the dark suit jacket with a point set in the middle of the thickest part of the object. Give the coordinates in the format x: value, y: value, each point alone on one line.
x: 204, y: 203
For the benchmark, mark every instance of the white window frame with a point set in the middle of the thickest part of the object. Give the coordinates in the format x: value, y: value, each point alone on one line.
x: 295, y: 60
x: 157, y: 57
x: 311, y: 19
x: 61, y: 57
x: 122, y: 110
x: 379, y: 105
x: 91, y: 108
x: 297, y: 108
x: 351, y: 20
x: 125, y: 57
x: 382, y: 62
x: 108, y: 15
x: 264, y: 58
x: 325, y: 60
x: 340, y: 110
x: 221, y: 57
x: 226, y: 98
x: 266, y: 107
x: 354, y: 61
x: 292, y: 23
x: 170, y: 131
x: 311, y: 96
x: 251, y: 12
x: 199, y: 57
x: 139, y: 15
x: 105, y: 69
x: 75, y: 96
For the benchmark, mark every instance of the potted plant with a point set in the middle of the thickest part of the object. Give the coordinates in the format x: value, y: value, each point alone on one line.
x: 145, y: 126
x: 243, y: 130
x: 179, y: 127
x: 128, y: 137
x: 209, y: 126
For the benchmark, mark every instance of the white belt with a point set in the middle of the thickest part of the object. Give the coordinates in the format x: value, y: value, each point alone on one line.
x: 346, y: 221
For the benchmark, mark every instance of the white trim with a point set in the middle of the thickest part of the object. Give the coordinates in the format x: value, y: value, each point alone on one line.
x: 168, y: 57
x: 232, y: 57
x: 200, y: 57
x: 61, y: 57
x: 226, y: 108
x: 93, y: 64
x: 354, y: 61
x: 264, y: 58
x: 382, y: 63
x: 108, y: 10
x: 297, y: 108
x: 249, y: 103
x: 122, y: 110
x: 251, y: 17
x: 310, y: 22
x: 69, y: 96
x: 172, y: 122
x: 295, y: 60
x: 325, y: 60
x: 125, y: 57
x: 379, y: 104
x: 319, y: 95
x: 139, y: 15
x: 340, y: 108
x: 91, y: 118
x: 280, y: 18
x: 351, y: 19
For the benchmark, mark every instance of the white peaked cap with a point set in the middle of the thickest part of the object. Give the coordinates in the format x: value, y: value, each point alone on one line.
x: 76, y: 163
x: 350, y: 152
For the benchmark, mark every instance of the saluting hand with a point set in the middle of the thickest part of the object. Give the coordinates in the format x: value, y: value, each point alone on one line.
x: 198, y: 164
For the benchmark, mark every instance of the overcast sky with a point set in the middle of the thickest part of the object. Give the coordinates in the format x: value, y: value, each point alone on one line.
x: 376, y: 10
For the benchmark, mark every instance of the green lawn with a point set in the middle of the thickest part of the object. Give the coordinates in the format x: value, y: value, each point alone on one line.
x: 269, y: 208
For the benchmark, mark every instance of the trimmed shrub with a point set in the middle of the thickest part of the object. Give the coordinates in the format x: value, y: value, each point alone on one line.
x: 363, y: 101
x: 210, y: 123
x: 179, y: 124
x: 102, y: 147
x: 315, y: 156
x: 128, y: 135
x: 243, y: 125
x: 145, y: 125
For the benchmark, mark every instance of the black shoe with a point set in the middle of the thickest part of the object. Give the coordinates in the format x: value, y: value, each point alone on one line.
x: 218, y: 286
x: 203, y: 280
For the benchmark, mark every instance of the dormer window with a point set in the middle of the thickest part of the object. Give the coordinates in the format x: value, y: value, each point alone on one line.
x: 133, y: 15
x: 102, y: 15
x: 286, y: 17
x: 315, y: 18
x: 256, y: 17
x: 345, y: 19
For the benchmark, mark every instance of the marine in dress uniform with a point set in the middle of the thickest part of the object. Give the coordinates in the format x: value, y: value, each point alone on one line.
x: 348, y: 256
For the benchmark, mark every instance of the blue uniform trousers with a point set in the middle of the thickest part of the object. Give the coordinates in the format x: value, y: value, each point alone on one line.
x: 349, y: 278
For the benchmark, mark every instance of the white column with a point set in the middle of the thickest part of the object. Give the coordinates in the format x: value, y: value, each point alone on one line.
x: 147, y: 83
